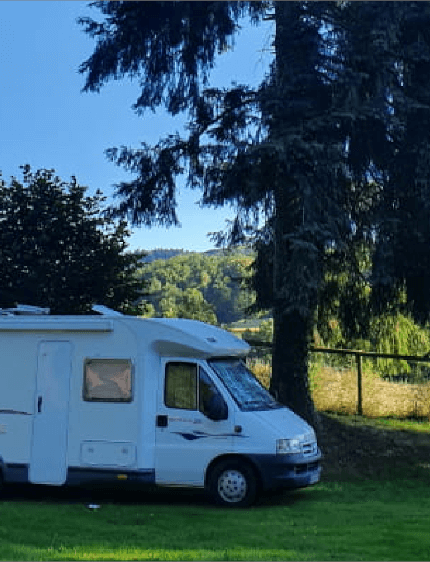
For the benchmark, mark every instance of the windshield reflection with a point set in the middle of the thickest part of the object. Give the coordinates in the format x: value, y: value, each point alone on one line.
x: 246, y: 390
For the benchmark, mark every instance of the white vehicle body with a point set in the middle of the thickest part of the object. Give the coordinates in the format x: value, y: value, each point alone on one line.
x: 115, y: 397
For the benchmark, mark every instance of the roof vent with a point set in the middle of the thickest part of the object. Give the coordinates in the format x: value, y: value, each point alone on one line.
x: 105, y: 311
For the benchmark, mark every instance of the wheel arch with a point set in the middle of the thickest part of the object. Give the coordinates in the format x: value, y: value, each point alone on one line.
x: 238, y: 458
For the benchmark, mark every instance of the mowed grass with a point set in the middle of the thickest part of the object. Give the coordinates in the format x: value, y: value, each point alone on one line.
x: 344, y: 520
x: 421, y: 426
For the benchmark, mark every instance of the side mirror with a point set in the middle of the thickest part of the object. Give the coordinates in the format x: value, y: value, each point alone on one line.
x: 217, y: 409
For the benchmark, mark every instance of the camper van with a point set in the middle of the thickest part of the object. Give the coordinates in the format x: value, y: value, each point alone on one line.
x: 113, y: 398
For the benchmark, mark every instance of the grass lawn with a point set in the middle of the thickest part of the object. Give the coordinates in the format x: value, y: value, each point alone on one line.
x: 374, y: 518
x: 410, y: 425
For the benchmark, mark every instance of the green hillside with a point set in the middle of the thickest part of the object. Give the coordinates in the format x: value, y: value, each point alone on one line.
x: 211, y: 287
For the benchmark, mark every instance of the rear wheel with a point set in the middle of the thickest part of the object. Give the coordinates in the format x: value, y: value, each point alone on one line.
x: 233, y: 483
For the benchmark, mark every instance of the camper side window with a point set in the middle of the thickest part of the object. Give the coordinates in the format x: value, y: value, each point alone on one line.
x: 108, y: 380
x: 181, y: 386
x: 188, y: 387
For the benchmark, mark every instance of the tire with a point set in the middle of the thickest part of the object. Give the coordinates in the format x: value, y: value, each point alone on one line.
x: 232, y: 483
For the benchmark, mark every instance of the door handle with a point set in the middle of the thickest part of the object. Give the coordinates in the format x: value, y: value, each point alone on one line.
x: 161, y: 421
x: 39, y: 405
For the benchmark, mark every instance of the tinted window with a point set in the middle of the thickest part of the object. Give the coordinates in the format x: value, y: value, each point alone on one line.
x: 181, y: 386
x: 188, y: 387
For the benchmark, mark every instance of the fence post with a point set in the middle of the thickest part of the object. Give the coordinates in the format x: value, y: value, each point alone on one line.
x: 359, y: 385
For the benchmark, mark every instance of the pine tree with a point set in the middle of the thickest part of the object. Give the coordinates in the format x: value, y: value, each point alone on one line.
x: 314, y: 149
x: 403, y: 215
x: 274, y: 150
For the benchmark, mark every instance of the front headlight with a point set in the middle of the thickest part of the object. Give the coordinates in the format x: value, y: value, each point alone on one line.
x: 285, y: 446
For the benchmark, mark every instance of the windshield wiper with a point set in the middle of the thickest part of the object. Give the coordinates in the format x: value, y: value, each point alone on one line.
x: 262, y: 404
x: 275, y: 404
x: 258, y: 403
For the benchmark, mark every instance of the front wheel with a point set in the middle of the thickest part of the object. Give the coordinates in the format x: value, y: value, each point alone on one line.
x: 233, y: 484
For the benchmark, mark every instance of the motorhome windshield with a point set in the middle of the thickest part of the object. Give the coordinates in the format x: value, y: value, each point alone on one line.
x: 242, y: 385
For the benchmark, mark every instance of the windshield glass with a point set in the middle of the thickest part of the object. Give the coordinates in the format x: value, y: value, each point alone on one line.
x: 242, y: 385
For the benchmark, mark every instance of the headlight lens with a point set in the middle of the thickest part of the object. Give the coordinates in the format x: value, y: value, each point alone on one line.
x: 285, y: 446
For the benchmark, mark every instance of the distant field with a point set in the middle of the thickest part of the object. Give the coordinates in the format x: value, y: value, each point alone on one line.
x: 240, y: 331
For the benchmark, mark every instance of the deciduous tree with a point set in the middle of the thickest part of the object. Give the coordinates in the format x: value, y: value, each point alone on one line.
x: 59, y: 250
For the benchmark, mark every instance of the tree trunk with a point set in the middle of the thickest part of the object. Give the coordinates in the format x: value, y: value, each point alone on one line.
x: 292, y: 325
x: 290, y: 375
x: 295, y: 262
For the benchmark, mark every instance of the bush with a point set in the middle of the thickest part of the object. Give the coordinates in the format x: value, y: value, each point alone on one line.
x: 399, y: 334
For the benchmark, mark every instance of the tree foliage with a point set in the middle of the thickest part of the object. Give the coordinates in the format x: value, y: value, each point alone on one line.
x: 170, y: 48
x: 402, y: 258
x: 198, y: 286
x: 58, y: 250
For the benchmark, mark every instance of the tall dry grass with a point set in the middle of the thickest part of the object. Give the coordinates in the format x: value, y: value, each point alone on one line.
x: 262, y: 370
x: 336, y: 391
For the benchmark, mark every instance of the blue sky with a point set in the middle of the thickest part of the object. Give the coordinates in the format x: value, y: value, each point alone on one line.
x: 46, y: 121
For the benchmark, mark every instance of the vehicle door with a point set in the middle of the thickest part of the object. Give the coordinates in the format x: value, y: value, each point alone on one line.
x: 194, y: 423
x: 48, y: 463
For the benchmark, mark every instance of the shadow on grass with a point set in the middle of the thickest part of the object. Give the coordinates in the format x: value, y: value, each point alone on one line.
x: 143, y: 495
x: 356, y: 447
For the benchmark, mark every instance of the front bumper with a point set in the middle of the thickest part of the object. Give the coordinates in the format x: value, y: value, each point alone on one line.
x: 288, y: 471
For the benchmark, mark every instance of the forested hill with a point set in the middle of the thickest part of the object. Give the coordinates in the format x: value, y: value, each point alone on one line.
x: 162, y: 254
x: 165, y: 254
x: 208, y: 286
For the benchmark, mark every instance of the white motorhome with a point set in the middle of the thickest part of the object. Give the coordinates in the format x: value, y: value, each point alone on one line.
x: 166, y: 401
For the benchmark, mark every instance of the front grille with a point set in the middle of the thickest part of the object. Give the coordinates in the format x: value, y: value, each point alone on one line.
x: 304, y: 468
